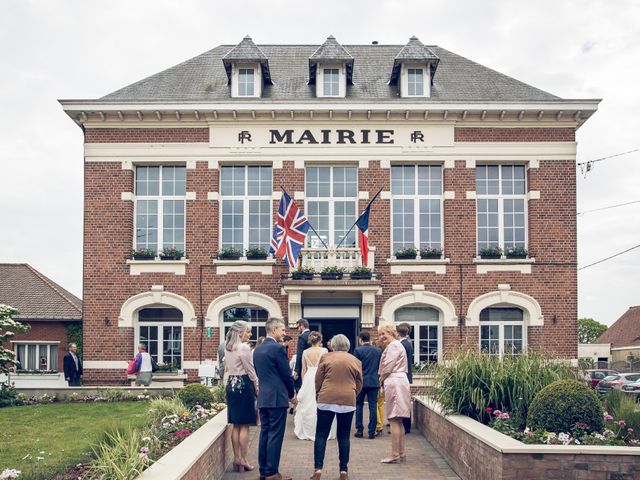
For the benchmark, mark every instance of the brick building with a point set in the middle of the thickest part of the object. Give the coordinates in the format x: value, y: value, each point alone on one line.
x: 47, y: 308
x: 195, y: 157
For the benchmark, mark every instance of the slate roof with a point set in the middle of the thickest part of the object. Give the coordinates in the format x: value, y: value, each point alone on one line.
x: 203, y: 79
x: 247, y: 50
x: 329, y: 51
x: 413, y: 51
x: 625, y: 332
x: 35, y: 296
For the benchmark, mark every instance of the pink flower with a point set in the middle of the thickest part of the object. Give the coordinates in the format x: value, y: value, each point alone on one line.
x: 497, y: 412
x: 630, y: 430
x: 504, y: 416
x: 621, y: 423
x: 608, y: 418
x: 489, y: 409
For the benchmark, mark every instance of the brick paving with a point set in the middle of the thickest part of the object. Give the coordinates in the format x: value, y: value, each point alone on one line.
x: 423, y: 461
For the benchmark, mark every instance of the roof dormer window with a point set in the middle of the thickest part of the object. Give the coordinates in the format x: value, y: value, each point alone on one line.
x: 247, y: 69
x: 413, y: 69
x: 331, y: 69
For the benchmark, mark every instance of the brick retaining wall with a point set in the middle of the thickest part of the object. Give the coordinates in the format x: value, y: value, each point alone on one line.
x: 478, y: 452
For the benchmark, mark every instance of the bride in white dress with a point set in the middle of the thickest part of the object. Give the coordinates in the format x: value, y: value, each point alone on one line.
x: 306, y: 415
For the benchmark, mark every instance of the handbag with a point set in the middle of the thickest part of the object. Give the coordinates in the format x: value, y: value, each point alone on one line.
x: 154, y: 365
x: 131, y: 368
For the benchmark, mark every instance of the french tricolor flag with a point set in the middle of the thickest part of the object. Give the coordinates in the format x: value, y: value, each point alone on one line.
x: 363, y: 226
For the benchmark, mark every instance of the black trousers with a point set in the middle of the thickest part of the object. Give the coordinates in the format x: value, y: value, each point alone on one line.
x: 407, y: 424
x: 323, y: 426
x: 273, y: 422
x: 372, y: 399
x: 75, y: 381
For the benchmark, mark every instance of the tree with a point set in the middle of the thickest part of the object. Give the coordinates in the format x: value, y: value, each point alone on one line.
x: 589, y: 330
x: 8, y: 328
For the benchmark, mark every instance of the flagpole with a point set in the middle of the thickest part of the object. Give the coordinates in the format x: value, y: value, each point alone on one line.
x: 310, y: 225
x: 354, y: 223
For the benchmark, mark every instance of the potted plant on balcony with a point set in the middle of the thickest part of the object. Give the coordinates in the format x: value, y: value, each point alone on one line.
x: 256, y: 253
x: 430, y: 252
x: 491, y: 252
x: 516, y: 252
x: 361, y: 273
x: 229, y: 253
x: 406, y: 253
x: 171, y: 253
x: 303, y: 273
x: 332, y: 273
x: 143, y: 253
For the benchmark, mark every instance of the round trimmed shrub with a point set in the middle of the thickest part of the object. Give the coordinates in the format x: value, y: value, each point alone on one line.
x: 562, y: 404
x: 196, y: 394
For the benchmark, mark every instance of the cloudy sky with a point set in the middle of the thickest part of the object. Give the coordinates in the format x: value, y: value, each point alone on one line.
x: 86, y: 49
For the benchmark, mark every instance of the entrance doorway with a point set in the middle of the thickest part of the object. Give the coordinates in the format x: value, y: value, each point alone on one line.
x: 330, y: 327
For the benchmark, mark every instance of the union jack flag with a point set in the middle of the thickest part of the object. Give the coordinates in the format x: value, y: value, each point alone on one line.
x: 289, y: 231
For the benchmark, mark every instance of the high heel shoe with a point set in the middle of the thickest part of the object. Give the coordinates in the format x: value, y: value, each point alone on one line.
x: 238, y: 467
x: 315, y: 476
x: 403, y: 457
x: 247, y: 467
x: 397, y: 459
x: 344, y: 476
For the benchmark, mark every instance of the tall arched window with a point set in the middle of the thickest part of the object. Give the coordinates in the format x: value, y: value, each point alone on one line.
x: 257, y: 317
x: 502, y: 331
x: 160, y: 329
x: 425, y: 331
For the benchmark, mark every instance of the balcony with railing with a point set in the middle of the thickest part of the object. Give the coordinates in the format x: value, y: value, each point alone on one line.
x: 346, y: 258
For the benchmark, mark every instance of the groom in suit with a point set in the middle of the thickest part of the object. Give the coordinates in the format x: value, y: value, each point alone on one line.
x: 276, y: 389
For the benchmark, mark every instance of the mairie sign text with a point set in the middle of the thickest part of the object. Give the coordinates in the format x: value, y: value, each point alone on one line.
x: 331, y: 137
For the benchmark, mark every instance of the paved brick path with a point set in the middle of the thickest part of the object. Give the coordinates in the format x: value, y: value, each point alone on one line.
x: 423, y: 461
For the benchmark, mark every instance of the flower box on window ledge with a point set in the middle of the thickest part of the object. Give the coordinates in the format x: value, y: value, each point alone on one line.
x: 256, y: 253
x: 171, y: 253
x: 332, y: 273
x: 143, y: 253
x: 516, y: 252
x: 361, y: 273
x: 303, y: 273
x: 430, y: 253
x: 406, y: 254
x: 487, y: 253
x: 229, y: 254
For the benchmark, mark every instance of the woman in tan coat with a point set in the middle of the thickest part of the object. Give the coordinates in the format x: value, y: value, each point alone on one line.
x: 338, y: 381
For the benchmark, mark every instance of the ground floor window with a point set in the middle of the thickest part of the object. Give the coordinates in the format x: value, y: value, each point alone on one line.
x: 37, y: 356
x: 502, y: 331
x: 160, y: 329
x: 257, y: 317
x: 424, y: 335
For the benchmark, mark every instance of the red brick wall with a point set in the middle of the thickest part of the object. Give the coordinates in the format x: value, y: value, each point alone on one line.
x: 45, y: 332
x: 146, y: 135
x: 489, y: 134
x: 108, y: 238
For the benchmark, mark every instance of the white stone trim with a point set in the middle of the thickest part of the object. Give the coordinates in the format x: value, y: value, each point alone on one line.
x: 533, y: 195
x: 190, y: 196
x: 277, y: 163
x: 437, y: 266
x: 532, y: 312
x: 522, y: 265
x: 449, y: 163
x: 126, y: 196
x: 420, y: 295
x: 385, y: 195
x: 214, y: 196
x: 471, y: 195
x: 533, y: 163
x: 242, y: 296
x: 177, y: 267
x: 243, y: 265
x: 191, y: 164
x: 104, y: 364
x: 363, y: 195
x: 449, y: 195
x: 363, y: 163
x: 156, y: 296
x: 470, y: 163
x: 127, y: 165
x: 298, y: 195
x: 276, y: 195
x: 190, y: 364
x: 298, y: 163
x: 213, y: 165
x: 385, y: 164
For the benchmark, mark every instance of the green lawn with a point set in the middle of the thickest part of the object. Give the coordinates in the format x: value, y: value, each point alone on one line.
x: 42, y: 439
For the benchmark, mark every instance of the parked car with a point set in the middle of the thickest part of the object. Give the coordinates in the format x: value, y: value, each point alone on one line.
x: 617, y: 381
x: 632, y: 389
x: 596, y: 375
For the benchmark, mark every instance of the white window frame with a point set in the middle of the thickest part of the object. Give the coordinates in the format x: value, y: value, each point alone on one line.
x: 38, y: 343
x: 342, y: 80
x: 257, y: 79
x: 160, y: 340
x: 404, y: 79
x: 330, y: 71
x: 331, y: 199
x: 243, y: 86
x: 416, y: 205
x: 415, y: 84
x: 500, y: 197
x: 501, y: 325
x: 415, y: 329
x: 253, y: 325
x: 160, y: 198
x: 246, y: 199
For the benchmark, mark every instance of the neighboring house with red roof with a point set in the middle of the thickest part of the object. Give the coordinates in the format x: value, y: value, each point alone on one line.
x: 624, y: 335
x: 46, y: 307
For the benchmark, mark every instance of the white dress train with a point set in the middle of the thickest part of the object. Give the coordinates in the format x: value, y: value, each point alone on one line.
x: 306, y: 411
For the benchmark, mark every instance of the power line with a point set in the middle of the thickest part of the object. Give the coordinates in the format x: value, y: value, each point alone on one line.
x: 585, y: 167
x: 607, y: 208
x: 609, y: 258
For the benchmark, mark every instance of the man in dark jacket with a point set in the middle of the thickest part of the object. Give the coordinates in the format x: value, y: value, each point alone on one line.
x: 72, y: 367
x: 303, y: 344
x: 403, y: 330
x: 370, y: 358
x: 276, y: 389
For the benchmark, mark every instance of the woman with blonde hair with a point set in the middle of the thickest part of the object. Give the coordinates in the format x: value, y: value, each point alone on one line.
x: 242, y: 389
x: 397, y: 395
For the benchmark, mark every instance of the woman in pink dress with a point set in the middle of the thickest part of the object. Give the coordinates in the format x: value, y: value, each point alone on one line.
x: 397, y: 396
